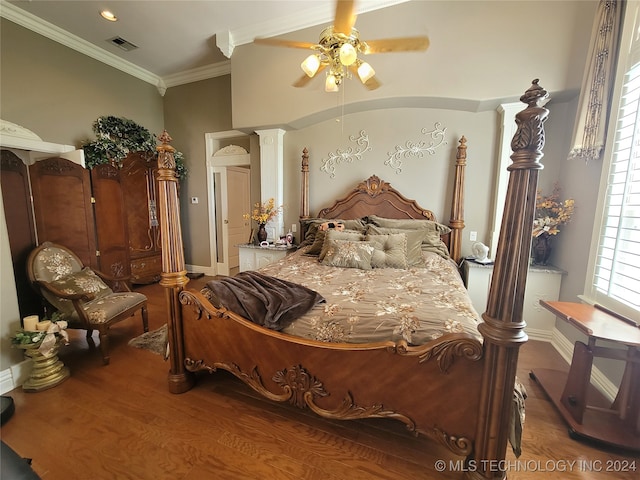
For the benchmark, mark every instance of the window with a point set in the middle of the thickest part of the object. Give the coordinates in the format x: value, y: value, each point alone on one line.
x: 615, y: 265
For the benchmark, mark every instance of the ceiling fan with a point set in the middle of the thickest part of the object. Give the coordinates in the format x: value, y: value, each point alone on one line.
x: 338, y: 50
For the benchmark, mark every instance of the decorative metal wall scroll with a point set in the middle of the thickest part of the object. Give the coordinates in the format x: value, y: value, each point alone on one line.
x: 349, y: 155
x: 417, y: 149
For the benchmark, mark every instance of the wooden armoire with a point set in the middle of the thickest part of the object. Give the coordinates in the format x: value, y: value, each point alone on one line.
x: 138, y: 177
x: 106, y: 216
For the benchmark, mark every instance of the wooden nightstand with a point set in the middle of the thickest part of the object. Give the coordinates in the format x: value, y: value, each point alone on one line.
x: 253, y: 257
x: 543, y: 283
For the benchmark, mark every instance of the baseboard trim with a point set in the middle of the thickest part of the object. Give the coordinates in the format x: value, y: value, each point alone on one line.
x: 538, y: 334
x: 14, y: 376
x: 6, y: 381
x: 210, y: 271
x: 599, y: 380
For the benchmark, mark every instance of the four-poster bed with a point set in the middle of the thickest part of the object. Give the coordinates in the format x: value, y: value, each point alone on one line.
x: 457, y: 388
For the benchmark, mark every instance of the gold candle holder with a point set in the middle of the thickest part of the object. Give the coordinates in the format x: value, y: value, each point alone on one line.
x: 48, y: 370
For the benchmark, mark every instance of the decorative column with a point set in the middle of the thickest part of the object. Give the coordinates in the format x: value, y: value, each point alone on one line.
x: 272, y: 175
x: 456, y: 221
x: 304, y: 194
x: 503, y: 327
x: 174, y: 274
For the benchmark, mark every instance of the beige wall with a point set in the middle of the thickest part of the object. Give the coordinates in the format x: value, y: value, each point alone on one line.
x: 191, y: 111
x: 58, y: 93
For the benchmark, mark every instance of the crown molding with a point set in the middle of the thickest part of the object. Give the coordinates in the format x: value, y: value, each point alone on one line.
x: 197, y: 74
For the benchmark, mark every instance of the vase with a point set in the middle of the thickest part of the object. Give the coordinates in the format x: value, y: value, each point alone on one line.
x: 262, y: 233
x: 541, y: 249
x: 47, y: 372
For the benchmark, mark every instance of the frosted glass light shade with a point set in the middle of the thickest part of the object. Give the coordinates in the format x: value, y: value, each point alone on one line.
x: 330, y: 84
x: 348, y: 54
x: 310, y: 65
x: 365, y: 72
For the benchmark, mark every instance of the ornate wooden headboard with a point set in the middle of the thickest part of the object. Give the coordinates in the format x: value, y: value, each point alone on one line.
x: 375, y: 196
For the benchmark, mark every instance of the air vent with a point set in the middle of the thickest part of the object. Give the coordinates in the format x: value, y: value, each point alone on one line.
x: 122, y: 43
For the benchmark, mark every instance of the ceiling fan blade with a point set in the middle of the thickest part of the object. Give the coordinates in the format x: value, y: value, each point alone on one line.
x: 372, y: 83
x: 302, y: 81
x: 305, y: 79
x: 276, y: 42
x: 345, y: 17
x: 407, y: 44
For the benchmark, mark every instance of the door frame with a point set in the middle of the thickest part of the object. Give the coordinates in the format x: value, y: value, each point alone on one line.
x: 229, y: 156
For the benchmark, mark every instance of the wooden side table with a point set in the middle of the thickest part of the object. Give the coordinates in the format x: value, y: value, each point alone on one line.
x: 619, y: 424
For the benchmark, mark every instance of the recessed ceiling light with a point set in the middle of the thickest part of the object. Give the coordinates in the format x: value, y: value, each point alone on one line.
x: 107, y: 15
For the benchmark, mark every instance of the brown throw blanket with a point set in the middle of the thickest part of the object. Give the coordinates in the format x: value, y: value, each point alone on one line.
x: 262, y: 299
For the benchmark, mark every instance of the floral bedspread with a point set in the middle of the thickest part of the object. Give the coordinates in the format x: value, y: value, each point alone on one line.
x: 416, y: 304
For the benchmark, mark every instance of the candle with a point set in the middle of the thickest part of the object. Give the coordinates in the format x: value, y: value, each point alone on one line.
x: 29, y: 323
x: 43, y: 326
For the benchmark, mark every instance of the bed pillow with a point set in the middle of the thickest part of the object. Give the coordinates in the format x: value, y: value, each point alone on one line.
x: 430, y: 242
x: 433, y: 243
x: 329, y: 235
x: 409, y: 224
x: 414, y: 242
x: 349, y: 254
x: 390, y: 250
x: 315, y: 247
x: 310, y: 227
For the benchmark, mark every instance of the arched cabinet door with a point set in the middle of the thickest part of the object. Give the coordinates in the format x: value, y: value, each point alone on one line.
x: 111, y: 225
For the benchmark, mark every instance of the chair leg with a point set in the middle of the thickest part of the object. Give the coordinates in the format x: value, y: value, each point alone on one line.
x: 145, y: 319
x: 90, y: 341
x: 104, y: 345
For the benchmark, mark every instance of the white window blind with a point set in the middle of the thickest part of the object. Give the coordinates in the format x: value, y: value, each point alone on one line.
x: 616, y: 267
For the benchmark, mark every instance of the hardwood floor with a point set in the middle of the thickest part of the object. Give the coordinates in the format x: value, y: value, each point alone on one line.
x: 120, y: 422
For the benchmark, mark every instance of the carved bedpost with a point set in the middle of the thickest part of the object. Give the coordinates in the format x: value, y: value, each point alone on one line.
x: 456, y: 221
x: 503, y: 326
x: 174, y: 274
x: 304, y: 197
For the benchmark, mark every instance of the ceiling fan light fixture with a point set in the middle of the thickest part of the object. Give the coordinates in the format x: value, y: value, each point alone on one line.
x: 310, y: 65
x: 348, y: 54
x: 365, y: 72
x: 330, y: 84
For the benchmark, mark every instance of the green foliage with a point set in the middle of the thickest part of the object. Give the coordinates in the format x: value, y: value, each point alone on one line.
x: 117, y: 137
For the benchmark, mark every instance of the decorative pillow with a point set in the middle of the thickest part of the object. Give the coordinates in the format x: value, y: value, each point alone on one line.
x: 409, y: 224
x: 348, y: 254
x: 414, y: 242
x: 390, y: 250
x: 84, y: 281
x: 429, y: 242
x: 330, y: 235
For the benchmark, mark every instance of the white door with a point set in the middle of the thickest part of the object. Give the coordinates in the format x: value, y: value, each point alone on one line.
x: 234, y: 201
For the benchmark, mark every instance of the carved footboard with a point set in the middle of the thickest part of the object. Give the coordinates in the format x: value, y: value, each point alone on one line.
x: 417, y: 386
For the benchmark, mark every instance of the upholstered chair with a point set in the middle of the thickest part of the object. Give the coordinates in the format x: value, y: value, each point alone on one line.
x: 81, y: 295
